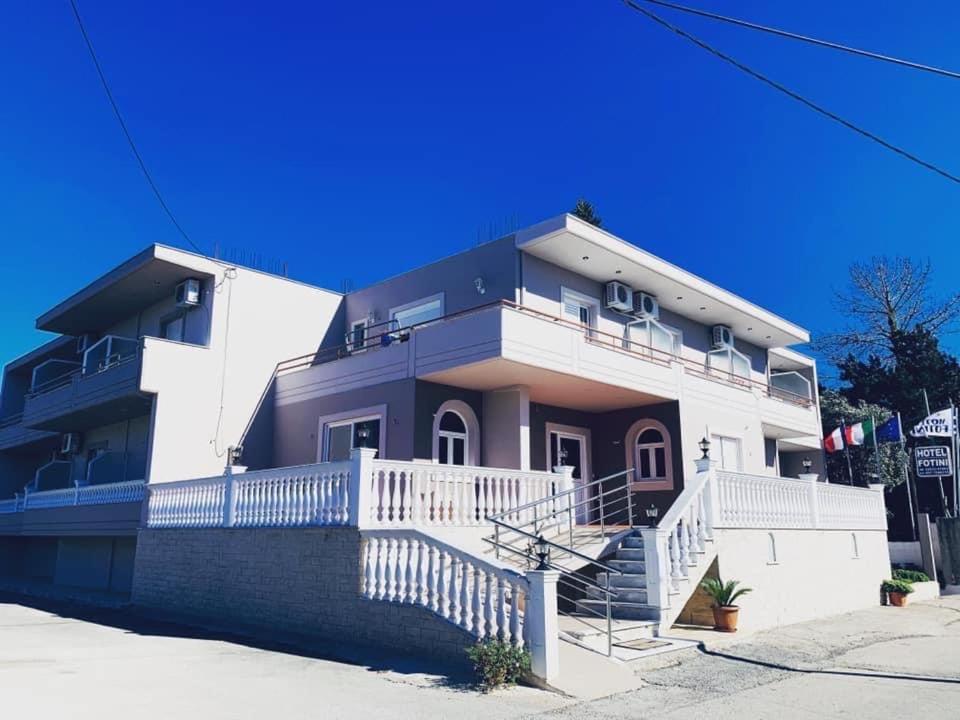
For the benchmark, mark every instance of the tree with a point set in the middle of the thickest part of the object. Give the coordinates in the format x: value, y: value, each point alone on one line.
x: 836, y: 409
x: 887, y: 296
x: 585, y: 210
x: 918, y: 364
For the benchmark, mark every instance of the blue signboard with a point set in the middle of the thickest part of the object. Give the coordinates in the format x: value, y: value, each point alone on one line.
x: 933, y: 462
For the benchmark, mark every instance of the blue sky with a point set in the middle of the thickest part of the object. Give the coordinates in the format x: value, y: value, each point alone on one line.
x: 356, y: 140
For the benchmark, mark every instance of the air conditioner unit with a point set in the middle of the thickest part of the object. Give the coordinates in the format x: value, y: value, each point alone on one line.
x: 645, y: 305
x: 188, y: 293
x: 84, y: 342
x: 722, y: 337
x: 618, y: 296
x: 69, y: 443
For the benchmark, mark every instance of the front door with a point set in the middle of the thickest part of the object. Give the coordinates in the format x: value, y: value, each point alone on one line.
x: 569, y: 447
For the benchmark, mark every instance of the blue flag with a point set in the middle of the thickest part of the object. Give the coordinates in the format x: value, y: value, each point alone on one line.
x: 889, y: 431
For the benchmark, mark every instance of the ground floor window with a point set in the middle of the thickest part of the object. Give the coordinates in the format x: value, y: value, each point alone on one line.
x: 649, y: 453
x: 342, y: 436
x: 452, y: 440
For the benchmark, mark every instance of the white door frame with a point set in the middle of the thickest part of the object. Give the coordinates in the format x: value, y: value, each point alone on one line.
x: 581, y: 434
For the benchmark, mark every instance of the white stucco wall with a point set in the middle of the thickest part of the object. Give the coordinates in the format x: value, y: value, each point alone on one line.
x: 815, y: 574
x: 257, y: 320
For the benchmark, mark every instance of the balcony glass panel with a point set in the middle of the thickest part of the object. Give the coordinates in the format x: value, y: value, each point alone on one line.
x: 109, y: 351
x: 791, y: 382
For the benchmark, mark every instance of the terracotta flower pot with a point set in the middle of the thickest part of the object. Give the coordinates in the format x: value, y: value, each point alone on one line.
x: 725, y: 618
x: 897, y: 599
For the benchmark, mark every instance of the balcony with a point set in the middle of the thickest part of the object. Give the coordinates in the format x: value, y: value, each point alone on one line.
x: 103, y: 388
x: 563, y: 362
x: 13, y: 433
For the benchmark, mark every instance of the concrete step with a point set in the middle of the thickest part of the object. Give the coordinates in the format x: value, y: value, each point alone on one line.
x: 631, y: 567
x: 622, y: 581
x: 632, y: 541
x: 624, y: 594
x: 629, y: 553
x: 620, y: 610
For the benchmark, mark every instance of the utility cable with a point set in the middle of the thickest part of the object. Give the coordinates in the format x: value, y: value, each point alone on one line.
x: 790, y: 93
x: 805, y: 38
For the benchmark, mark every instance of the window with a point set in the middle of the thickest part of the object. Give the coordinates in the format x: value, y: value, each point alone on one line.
x: 652, y: 333
x: 456, y: 434
x: 651, y: 455
x: 452, y: 440
x: 648, y: 453
x: 174, y: 327
x: 417, y: 312
x: 357, y: 337
x: 727, y: 452
x: 731, y: 361
x: 579, y: 308
x: 342, y: 436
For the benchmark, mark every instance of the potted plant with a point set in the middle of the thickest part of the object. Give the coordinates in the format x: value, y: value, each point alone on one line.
x: 724, y: 595
x: 897, y: 591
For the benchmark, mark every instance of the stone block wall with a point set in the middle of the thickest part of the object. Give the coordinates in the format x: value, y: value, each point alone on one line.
x: 304, y: 581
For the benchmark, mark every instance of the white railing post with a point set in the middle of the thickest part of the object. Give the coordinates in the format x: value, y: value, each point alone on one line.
x: 566, y: 505
x: 811, y: 479
x: 230, y: 494
x: 710, y: 494
x: 657, y: 563
x: 541, y: 623
x: 360, y: 493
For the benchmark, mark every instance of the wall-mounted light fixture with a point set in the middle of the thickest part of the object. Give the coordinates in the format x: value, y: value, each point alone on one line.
x: 480, y: 286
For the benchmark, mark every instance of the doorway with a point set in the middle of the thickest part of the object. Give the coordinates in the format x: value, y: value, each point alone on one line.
x: 570, y: 446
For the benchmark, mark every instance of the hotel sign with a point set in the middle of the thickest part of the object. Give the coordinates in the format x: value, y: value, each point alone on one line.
x: 933, y: 461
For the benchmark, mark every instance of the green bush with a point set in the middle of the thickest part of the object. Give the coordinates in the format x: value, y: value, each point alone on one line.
x: 498, y: 662
x: 723, y: 594
x: 897, y: 586
x: 910, y: 576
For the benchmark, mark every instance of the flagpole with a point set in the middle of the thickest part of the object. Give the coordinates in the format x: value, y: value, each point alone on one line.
x: 906, y: 474
x: 953, y: 442
x: 846, y: 448
x: 876, y: 447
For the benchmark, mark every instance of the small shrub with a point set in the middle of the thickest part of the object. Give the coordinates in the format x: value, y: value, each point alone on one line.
x: 911, y: 576
x: 498, y: 662
x: 897, y: 586
x: 723, y: 594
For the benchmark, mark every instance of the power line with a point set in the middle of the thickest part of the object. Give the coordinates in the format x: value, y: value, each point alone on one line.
x: 806, y: 38
x: 790, y: 93
x: 126, y: 131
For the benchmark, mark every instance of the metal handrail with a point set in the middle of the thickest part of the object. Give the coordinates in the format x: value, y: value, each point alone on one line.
x: 560, y: 494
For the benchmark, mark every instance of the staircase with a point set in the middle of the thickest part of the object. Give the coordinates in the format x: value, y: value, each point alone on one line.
x: 628, y: 599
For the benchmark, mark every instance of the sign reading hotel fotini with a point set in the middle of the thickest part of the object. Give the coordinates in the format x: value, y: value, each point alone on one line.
x: 933, y: 461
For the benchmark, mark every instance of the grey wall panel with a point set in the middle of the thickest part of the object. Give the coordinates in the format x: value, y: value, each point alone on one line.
x: 84, y: 562
x: 296, y: 424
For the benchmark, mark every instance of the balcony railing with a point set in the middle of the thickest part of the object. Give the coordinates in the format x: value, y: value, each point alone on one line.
x: 387, y: 333
x: 109, y: 494
x: 108, y: 352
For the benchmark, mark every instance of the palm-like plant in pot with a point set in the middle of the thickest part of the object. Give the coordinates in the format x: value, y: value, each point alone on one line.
x: 724, y: 596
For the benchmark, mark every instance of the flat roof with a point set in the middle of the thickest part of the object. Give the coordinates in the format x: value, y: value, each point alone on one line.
x: 599, y: 255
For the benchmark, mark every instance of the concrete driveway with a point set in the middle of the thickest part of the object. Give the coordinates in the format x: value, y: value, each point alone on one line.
x: 57, y: 662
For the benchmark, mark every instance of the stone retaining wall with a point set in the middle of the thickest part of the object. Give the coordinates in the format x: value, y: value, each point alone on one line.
x: 304, y: 581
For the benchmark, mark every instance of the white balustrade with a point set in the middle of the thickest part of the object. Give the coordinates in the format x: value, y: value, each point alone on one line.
x: 290, y: 497
x: 409, y: 567
x: 106, y: 494
x: 187, y: 503
x: 413, y: 494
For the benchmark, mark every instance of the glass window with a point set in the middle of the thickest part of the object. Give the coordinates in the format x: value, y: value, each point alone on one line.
x: 726, y: 450
x: 344, y: 436
x: 651, y: 455
x: 652, y: 334
x: 729, y: 361
x: 452, y: 440
x: 358, y: 336
x: 420, y: 313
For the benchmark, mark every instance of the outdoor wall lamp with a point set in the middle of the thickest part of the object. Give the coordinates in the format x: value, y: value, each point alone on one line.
x: 562, y: 456
x: 704, y: 446
x: 807, y: 464
x: 363, y: 433
x: 480, y: 286
x: 543, y: 553
x: 652, y: 512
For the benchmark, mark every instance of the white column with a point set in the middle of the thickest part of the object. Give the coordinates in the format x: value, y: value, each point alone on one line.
x: 811, y: 478
x: 230, y: 494
x: 541, y: 624
x: 360, y: 493
x: 711, y: 495
x: 564, y: 483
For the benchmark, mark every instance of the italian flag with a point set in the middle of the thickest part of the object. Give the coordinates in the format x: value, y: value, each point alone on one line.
x: 834, y: 441
x: 859, y: 434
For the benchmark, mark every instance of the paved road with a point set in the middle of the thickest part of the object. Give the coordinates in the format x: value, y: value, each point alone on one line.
x: 879, y: 663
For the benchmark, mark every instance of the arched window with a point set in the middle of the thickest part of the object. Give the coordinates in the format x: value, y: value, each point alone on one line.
x: 648, y: 453
x: 456, y: 434
x: 452, y: 440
